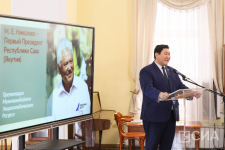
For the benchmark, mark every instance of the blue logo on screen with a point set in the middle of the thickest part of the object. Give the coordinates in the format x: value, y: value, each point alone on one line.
x: 78, y: 107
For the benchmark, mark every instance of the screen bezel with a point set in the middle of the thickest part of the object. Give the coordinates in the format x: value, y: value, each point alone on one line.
x: 54, y: 124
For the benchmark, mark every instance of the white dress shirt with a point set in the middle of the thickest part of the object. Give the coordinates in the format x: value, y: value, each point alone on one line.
x: 160, y: 68
x: 62, y: 105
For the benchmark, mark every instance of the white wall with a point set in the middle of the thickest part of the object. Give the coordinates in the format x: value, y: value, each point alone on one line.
x: 50, y: 10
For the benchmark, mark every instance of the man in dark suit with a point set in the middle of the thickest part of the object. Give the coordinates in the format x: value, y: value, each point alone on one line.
x: 159, y: 118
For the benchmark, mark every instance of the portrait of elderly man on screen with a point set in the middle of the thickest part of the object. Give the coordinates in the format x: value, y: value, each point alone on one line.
x: 70, y: 97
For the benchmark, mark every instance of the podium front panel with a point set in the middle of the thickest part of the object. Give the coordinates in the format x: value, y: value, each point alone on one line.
x: 192, y: 115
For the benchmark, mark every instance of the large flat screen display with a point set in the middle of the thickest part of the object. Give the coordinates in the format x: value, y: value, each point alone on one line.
x: 46, y: 72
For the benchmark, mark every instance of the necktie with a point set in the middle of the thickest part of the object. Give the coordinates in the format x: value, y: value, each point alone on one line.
x: 165, y: 75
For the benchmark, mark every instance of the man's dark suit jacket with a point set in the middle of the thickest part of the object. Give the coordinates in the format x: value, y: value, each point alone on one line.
x: 152, y: 83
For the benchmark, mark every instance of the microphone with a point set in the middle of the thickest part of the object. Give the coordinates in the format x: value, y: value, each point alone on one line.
x: 175, y: 71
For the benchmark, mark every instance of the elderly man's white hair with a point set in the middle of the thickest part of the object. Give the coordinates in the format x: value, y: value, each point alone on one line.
x: 63, y: 46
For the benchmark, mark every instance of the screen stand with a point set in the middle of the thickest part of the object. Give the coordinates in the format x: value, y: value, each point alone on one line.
x: 22, y: 142
x: 56, y: 133
x: 56, y: 137
x: 56, y: 143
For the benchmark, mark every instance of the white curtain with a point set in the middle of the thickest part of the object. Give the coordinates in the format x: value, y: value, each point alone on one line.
x: 187, y: 34
x: 183, y: 4
x: 215, y: 16
x: 143, y: 27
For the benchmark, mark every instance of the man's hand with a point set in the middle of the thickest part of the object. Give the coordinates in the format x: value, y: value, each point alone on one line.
x: 164, y: 95
x: 198, y: 95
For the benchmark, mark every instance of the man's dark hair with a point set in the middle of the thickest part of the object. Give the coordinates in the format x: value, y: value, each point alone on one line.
x: 158, y: 49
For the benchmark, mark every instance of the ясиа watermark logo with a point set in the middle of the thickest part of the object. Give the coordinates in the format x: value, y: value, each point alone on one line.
x: 186, y: 138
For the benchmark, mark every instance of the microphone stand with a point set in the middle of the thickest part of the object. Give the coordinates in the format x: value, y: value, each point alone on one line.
x: 212, y: 91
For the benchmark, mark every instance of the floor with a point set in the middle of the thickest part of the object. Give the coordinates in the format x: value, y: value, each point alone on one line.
x: 138, y: 148
x: 157, y: 149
